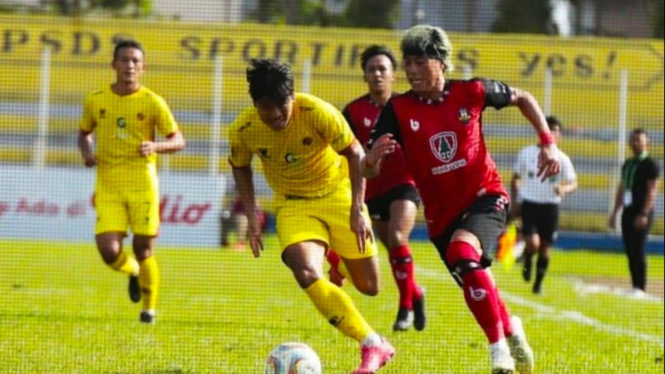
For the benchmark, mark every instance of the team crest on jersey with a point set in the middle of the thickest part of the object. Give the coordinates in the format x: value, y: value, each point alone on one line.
x: 102, y: 113
x: 140, y: 116
x: 444, y: 145
x: 367, y: 122
x: 263, y: 152
x: 464, y: 116
x: 307, y: 141
x: 122, y: 122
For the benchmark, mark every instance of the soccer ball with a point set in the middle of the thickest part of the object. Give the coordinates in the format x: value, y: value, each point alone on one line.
x: 293, y: 358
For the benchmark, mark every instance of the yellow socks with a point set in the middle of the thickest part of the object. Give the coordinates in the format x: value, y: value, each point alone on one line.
x: 126, y: 264
x: 337, y: 307
x: 149, y: 281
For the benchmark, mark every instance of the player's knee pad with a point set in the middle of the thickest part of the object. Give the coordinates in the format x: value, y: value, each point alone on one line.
x: 463, y: 267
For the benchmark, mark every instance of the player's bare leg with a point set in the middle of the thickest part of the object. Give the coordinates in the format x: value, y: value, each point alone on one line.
x: 305, y: 259
x: 394, y: 234
x: 364, y: 274
x: 109, y: 245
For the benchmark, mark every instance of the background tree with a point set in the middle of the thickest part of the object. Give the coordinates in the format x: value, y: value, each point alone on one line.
x: 358, y: 13
x: 372, y: 14
x: 658, y: 18
x: 523, y: 16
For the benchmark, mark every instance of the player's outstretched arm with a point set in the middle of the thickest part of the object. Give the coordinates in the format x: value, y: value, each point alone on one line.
x: 548, y: 164
x: 243, y: 177
x: 354, y: 154
x: 371, y: 163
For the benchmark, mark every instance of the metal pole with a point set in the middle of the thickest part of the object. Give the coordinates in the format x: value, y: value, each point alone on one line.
x: 216, y: 129
x: 622, y: 138
x: 306, y: 76
x: 41, y: 144
x: 547, y: 94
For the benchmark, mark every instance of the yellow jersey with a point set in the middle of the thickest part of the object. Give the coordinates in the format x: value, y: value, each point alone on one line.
x: 121, y: 124
x: 302, y: 159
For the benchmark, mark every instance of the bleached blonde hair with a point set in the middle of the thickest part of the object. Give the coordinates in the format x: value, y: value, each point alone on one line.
x: 430, y: 41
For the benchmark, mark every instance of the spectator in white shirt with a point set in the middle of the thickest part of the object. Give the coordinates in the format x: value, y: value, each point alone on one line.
x: 537, y: 203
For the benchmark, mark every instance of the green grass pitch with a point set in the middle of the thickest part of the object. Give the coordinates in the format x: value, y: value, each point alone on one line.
x: 63, y: 311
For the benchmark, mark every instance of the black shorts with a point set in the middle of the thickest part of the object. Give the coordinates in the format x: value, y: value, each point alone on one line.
x: 541, y: 219
x: 379, y: 207
x: 486, y: 219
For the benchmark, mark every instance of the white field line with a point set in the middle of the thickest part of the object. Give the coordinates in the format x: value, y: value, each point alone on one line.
x: 583, y: 288
x: 560, y: 315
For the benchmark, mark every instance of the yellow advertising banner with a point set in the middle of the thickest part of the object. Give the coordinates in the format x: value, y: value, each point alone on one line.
x: 181, y: 60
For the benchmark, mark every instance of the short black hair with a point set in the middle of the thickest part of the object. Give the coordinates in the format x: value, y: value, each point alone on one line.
x: 639, y: 131
x: 127, y: 43
x: 270, y: 79
x: 377, y: 50
x: 553, y: 121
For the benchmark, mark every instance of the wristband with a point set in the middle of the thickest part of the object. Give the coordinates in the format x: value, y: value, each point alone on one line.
x: 546, y: 138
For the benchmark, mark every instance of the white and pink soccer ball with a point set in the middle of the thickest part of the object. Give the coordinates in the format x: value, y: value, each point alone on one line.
x: 293, y: 358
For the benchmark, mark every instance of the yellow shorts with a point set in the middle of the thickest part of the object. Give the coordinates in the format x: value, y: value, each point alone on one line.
x: 120, y: 209
x: 325, y: 219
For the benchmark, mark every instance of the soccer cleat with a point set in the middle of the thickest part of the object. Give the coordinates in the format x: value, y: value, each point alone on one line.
x: 134, y: 289
x: 419, y: 318
x: 537, y: 288
x: 375, y: 357
x: 502, y: 362
x: 519, y: 347
x: 526, y: 272
x: 147, y: 317
x: 404, y: 319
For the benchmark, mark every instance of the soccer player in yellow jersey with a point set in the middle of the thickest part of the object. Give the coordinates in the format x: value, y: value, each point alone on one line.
x: 125, y: 116
x: 300, y: 140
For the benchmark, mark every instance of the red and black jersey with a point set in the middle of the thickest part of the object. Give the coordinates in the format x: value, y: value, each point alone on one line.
x: 443, y: 145
x: 361, y: 114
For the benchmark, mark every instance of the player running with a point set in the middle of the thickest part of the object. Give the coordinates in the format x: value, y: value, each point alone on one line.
x: 392, y: 198
x: 126, y: 116
x: 438, y: 124
x: 319, y: 205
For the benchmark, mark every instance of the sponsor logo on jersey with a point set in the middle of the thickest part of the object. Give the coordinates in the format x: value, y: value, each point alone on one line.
x: 367, y: 122
x: 464, y: 116
x: 415, y: 125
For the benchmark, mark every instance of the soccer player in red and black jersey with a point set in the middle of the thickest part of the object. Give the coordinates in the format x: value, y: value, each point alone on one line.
x: 392, y: 198
x: 438, y: 124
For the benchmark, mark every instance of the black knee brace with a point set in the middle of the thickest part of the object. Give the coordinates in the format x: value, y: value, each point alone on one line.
x: 462, y: 267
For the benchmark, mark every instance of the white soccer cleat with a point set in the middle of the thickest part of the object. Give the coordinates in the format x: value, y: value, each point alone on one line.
x: 502, y: 361
x: 519, y: 347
